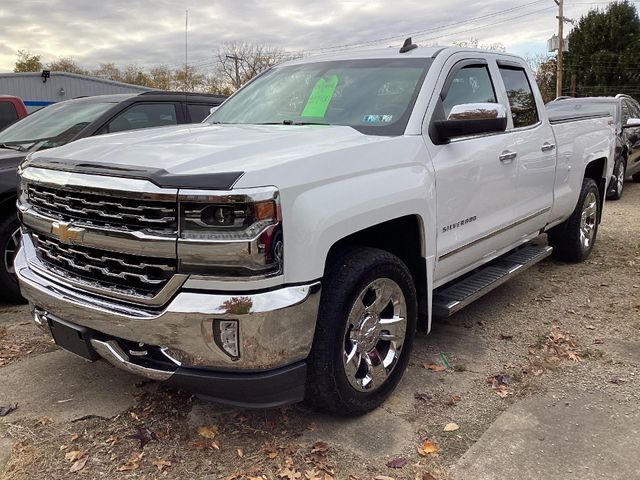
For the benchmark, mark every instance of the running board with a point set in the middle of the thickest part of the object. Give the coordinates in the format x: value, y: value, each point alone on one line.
x: 458, y: 295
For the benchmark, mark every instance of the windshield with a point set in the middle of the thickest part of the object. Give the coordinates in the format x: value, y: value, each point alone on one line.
x: 373, y: 96
x: 52, y: 126
x: 582, y: 108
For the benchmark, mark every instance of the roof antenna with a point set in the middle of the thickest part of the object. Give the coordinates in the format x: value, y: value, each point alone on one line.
x: 408, y: 46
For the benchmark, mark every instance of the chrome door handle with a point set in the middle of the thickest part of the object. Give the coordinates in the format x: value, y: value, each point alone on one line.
x: 547, y: 147
x: 507, y: 156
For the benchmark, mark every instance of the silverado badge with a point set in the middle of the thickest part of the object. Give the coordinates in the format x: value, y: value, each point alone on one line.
x: 66, y: 233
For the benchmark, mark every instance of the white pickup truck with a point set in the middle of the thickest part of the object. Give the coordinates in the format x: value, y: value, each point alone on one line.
x: 290, y: 247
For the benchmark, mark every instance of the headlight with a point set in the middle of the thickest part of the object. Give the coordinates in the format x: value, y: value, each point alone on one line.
x: 231, y: 234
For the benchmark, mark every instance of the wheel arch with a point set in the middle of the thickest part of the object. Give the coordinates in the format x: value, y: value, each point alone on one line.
x: 403, y: 237
x: 596, y: 169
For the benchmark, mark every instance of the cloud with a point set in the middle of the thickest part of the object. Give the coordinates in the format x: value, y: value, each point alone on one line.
x: 149, y: 32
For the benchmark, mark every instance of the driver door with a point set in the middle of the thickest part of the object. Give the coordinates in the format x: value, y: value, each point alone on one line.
x: 476, y: 176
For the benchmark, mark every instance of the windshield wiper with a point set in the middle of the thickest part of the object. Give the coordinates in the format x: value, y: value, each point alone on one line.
x: 16, y: 147
x: 291, y: 122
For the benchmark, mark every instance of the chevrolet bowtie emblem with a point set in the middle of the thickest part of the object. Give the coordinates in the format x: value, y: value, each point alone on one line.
x: 66, y: 233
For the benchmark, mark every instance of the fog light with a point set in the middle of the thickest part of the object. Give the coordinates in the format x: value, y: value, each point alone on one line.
x: 225, y: 334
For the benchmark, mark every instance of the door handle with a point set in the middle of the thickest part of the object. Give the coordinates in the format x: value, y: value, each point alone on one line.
x: 507, y: 156
x: 547, y: 147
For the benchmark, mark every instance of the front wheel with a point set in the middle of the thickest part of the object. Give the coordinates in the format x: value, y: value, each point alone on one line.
x: 573, y: 240
x: 9, y: 244
x: 364, y: 334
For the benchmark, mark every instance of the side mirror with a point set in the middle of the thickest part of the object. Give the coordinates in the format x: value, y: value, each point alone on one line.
x: 472, y: 119
x: 632, y: 122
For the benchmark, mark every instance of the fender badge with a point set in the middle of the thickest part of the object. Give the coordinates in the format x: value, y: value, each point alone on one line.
x: 66, y: 233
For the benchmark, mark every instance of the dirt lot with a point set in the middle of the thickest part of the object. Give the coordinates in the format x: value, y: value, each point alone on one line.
x: 557, y: 333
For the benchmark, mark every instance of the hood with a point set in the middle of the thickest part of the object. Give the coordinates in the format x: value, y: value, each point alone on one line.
x: 199, y: 156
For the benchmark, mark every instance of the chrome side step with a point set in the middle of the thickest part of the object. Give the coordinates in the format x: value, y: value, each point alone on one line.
x: 454, y: 297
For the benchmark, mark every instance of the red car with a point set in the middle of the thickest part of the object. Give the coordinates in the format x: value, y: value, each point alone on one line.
x: 11, y: 110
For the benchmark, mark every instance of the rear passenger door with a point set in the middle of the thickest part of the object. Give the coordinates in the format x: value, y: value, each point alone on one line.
x: 534, y: 144
x: 197, y: 112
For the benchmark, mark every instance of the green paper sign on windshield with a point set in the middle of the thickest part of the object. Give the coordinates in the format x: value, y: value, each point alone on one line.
x: 320, y: 97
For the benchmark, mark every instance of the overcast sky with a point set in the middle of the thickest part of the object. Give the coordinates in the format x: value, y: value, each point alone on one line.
x: 149, y: 32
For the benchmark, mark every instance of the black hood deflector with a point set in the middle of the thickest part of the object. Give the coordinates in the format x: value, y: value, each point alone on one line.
x: 158, y: 176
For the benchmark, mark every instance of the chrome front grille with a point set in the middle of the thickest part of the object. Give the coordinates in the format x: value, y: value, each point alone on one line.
x: 118, y: 272
x: 103, y: 210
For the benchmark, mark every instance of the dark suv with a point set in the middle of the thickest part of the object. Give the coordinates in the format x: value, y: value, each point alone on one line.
x: 71, y: 120
x: 626, y: 114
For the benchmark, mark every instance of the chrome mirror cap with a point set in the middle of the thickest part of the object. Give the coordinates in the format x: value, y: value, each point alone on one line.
x: 478, y: 111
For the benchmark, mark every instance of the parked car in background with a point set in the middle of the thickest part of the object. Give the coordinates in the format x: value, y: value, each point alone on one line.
x: 12, y: 109
x: 64, y: 122
x: 626, y: 114
x: 291, y: 245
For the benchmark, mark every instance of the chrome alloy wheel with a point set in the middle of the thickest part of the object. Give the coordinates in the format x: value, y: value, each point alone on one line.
x: 376, y: 331
x: 588, y: 220
x: 620, y: 178
x: 10, y: 250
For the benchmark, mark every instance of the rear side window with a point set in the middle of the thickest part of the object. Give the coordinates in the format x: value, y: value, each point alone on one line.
x: 8, y: 114
x: 523, y: 104
x: 198, y: 111
x: 471, y: 84
x: 144, y: 115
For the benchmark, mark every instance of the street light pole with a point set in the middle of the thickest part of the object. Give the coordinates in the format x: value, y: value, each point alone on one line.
x: 560, y: 59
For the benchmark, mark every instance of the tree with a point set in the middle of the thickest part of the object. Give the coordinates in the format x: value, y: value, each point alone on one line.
x: 250, y: 60
x: 66, y: 64
x: 108, y: 71
x: 545, y: 72
x: 604, y: 52
x: 475, y: 43
x: 27, y: 62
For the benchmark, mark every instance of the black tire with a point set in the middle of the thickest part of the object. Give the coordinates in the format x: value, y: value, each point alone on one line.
x: 617, y: 187
x: 348, y: 275
x: 566, y: 239
x: 9, y: 290
x: 636, y: 177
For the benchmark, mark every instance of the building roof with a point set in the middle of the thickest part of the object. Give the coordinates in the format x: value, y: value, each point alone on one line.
x: 77, y: 76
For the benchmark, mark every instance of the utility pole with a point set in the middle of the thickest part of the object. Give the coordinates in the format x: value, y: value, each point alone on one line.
x: 236, y: 59
x: 559, y: 60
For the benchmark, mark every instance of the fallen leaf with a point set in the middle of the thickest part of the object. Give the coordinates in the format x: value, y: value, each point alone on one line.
x: 427, y: 448
x: 425, y: 397
x: 161, y: 464
x: 45, y: 421
x: 240, y: 452
x: 74, y: 437
x: 383, y: 477
x: 451, y: 427
x: 144, y: 435
x: 506, y: 337
x: 397, y: 463
x: 78, y: 465
x: 289, y: 473
x: 73, y: 455
x: 434, y: 367
x: 428, y: 476
x: 7, y: 409
x: 590, y: 327
x: 132, y: 464
x: 320, y: 447
x: 208, y: 432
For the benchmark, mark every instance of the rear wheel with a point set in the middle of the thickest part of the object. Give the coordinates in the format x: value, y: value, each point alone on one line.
x: 9, y: 244
x: 573, y: 240
x: 364, y: 334
x: 615, y: 192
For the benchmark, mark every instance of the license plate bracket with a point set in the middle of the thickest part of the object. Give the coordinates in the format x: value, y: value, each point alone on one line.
x: 73, y: 338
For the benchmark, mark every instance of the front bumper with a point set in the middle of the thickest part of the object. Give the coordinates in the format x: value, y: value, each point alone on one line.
x: 276, y: 331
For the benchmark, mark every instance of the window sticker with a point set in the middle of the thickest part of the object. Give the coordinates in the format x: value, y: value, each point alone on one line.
x: 320, y: 97
x: 377, y: 118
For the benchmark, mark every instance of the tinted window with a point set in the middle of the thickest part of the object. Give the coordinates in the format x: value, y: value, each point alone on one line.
x: 198, y: 111
x: 471, y: 84
x: 520, y: 95
x: 8, y: 114
x: 144, y: 115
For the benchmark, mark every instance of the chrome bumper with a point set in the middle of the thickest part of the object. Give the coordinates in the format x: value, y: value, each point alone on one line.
x: 276, y: 328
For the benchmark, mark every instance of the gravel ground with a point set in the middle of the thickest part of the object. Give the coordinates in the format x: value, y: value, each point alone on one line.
x: 555, y: 329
